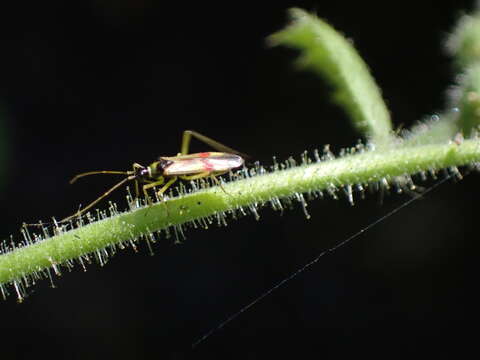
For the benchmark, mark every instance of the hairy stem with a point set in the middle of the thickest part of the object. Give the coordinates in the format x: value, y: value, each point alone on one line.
x: 251, y: 192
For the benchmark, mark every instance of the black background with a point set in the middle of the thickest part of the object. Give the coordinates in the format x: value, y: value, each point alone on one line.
x: 102, y: 84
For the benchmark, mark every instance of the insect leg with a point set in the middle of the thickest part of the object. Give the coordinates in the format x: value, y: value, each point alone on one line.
x: 196, y: 176
x: 203, y: 175
x: 187, y: 135
x: 136, y: 166
x: 137, y: 192
x: 219, y: 183
x: 159, y: 182
x: 166, y: 186
x: 161, y: 191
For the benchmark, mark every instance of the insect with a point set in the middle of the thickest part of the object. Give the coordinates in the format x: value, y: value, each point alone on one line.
x: 168, y: 169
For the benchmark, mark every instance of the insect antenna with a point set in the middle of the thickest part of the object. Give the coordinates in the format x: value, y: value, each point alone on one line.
x: 108, y: 192
x: 76, y: 177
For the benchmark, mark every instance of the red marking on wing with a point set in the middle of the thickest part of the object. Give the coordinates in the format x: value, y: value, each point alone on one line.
x: 204, y: 154
x: 208, y: 166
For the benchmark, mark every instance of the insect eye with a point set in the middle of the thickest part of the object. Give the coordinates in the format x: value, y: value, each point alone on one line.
x: 162, y: 164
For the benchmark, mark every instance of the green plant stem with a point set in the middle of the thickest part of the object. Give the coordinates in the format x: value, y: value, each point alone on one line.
x: 247, y: 193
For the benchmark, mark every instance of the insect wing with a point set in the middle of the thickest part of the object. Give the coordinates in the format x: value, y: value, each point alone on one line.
x: 202, y: 162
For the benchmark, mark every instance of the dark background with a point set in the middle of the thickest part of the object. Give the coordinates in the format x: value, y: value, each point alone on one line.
x: 101, y: 84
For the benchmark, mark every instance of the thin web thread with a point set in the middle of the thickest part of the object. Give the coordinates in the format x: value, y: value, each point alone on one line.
x: 315, y: 260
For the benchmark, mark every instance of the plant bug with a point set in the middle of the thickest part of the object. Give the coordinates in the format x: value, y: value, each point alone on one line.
x: 168, y: 169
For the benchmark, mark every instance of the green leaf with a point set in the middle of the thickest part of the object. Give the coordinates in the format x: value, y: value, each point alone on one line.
x: 332, y: 56
x: 468, y: 104
x: 464, y: 42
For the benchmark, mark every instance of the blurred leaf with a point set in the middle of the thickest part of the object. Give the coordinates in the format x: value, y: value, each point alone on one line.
x: 330, y: 55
